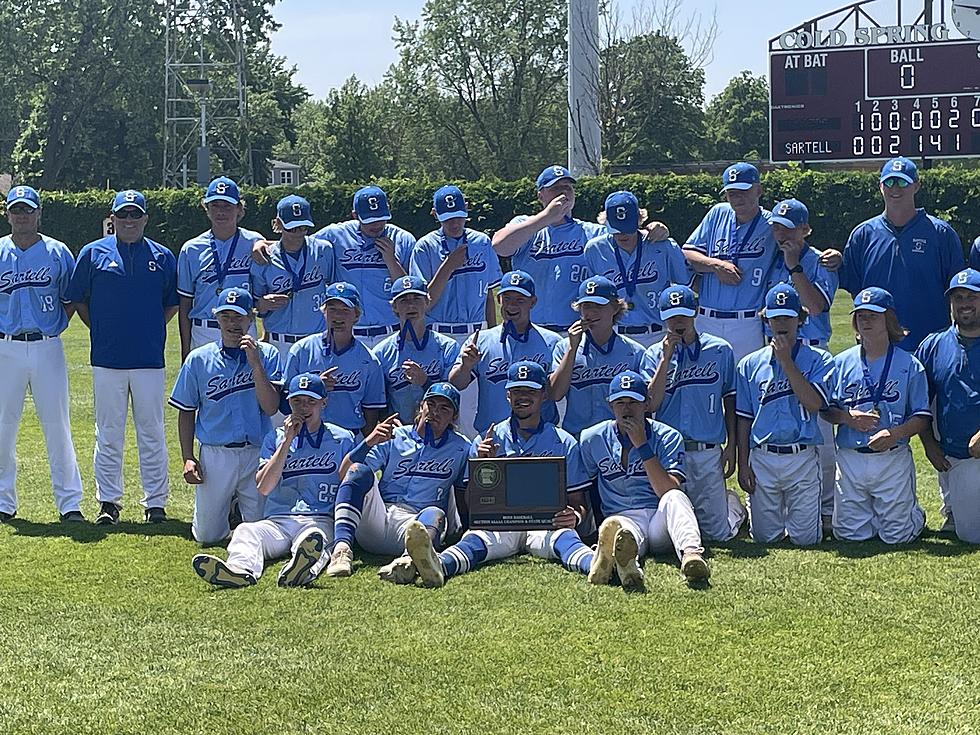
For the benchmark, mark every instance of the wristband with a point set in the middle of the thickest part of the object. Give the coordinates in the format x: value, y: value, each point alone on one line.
x: 578, y: 517
x: 646, y: 451
x: 796, y: 269
x: 359, y: 453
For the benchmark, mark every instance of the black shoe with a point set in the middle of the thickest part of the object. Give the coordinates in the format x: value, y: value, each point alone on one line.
x: 235, y: 514
x: 155, y: 515
x: 73, y: 516
x: 4, y: 517
x: 108, y: 515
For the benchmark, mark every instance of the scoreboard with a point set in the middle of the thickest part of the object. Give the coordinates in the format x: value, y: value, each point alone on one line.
x: 843, y: 104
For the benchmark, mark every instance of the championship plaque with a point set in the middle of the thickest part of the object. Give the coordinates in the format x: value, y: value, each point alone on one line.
x: 515, y: 493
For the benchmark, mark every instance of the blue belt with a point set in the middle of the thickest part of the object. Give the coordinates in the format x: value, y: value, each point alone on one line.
x: 236, y: 445
x: 209, y: 323
x: 288, y: 338
x: 787, y: 449
x: 639, y: 330
x: 23, y: 337
x: 714, y: 314
x: 692, y: 446
x: 373, y: 331
x: 456, y: 328
x: 554, y: 327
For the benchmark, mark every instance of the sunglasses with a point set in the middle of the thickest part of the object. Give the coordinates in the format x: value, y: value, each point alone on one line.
x: 21, y: 209
x: 893, y: 182
x: 129, y: 214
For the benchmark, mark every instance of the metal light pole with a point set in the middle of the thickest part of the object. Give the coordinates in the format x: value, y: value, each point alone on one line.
x: 200, y: 87
x: 584, y: 133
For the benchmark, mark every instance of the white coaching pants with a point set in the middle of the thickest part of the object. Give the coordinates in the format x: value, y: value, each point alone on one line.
x: 961, y: 486
x: 671, y: 524
x: 876, y: 497
x: 275, y: 537
x: 786, y: 501
x: 40, y: 365
x: 744, y: 335
x: 227, y: 472
x: 114, y: 391
x: 719, y: 511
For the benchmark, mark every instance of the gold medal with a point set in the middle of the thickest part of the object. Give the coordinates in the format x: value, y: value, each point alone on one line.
x: 630, y: 306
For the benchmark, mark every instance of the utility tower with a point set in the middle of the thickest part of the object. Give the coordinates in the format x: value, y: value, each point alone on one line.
x: 205, y: 109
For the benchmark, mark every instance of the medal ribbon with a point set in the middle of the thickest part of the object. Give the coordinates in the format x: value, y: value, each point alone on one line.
x: 589, y: 342
x: 629, y: 281
x: 429, y: 437
x: 510, y: 330
x: 408, y: 332
x: 297, y: 279
x: 305, y: 435
x: 221, y: 271
x: 736, y: 251
x: 877, y: 391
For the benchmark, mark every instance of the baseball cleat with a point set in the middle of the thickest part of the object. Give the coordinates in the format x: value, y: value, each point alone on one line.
x: 604, y: 559
x: 949, y: 525
x: 625, y: 550
x: 108, y: 515
x: 73, y: 516
x: 341, y: 561
x: 694, y: 567
x: 4, y: 517
x: 401, y: 571
x: 217, y: 572
x: 297, y: 571
x: 154, y: 515
x: 419, y: 547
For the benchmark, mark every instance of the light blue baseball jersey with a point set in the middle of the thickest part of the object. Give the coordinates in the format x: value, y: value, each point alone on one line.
x: 464, y: 299
x: 952, y: 366
x: 360, y: 382
x: 750, y: 246
x: 700, y: 377
x: 905, y: 393
x: 304, y: 275
x: 594, y: 368
x: 219, y: 385
x: 816, y: 327
x: 914, y: 264
x: 628, y: 488
x: 309, y: 478
x: 417, y: 474
x: 33, y: 284
x: 497, y: 355
x: 764, y: 395
x: 198, y: 268
x: 358, y: 261
x: 437, y: 356
x: 653, y: 265
x: 547, y: 441
x: 555, y: 259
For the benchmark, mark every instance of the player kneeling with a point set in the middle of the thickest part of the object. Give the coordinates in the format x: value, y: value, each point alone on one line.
x: 298, y: 475
x: 524, y: 434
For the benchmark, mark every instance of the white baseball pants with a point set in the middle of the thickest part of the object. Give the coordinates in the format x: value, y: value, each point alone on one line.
x: 252, y: 543
x: 114, y: 391
x: 961, y: 486
x: 744, y: 335
x: 718, y: 510
x: 505, y: 544
x: 228, y: 472
x: 671, y: 524
x: 786, y: 501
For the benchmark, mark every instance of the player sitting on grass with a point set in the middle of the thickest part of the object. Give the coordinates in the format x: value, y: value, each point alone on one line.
x: 524, y: 434
x: 299, y: 477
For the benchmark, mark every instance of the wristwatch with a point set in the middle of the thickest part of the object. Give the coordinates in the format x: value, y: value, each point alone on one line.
x: 796, y: 269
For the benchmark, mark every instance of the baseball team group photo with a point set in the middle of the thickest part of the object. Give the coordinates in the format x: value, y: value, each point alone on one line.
x: 604, y: 446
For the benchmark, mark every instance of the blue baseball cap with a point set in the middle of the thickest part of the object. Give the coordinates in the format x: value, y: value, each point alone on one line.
x: 873, y: 299
x: 783, y: 300
x: 129, y: 198
x: 234, y: 299
x: 306, y: 384
x: 968, y: 279
x: 526, y: 374
x: 552, y: 175
x: 739, y: 176
x: 345, y: 292
x: 223, y: 189
x: 294, y: 211
x: 444, y: 390
x: 518, y: 282
x: 371, y: 205
x: 24, y: 195
x: 449, y: 203
x: 409, y: 284
x: 900, y: 168
x: 678, y: 300
x: 622, y: 212
x: 628, y: 384
x: 597, y: 290
x: 790, y: 213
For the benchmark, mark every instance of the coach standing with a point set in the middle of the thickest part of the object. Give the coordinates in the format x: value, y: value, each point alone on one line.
x: 905, y: 251
x: 125, y: 289
x: 34, y: 274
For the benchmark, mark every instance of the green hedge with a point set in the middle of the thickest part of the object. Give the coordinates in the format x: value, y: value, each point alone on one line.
x: 837, y: 201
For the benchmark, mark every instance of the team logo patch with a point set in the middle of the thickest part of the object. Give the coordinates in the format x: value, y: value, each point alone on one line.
x: 918, y: 245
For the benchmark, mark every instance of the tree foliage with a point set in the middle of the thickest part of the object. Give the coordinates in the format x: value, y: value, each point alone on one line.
x: 737, y: 120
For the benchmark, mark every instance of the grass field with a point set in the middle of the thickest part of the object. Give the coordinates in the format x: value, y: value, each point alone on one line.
x: 110, y: 631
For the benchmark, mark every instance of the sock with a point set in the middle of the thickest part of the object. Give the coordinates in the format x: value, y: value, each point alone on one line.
x: 464, y: 556
x: 434, y: 521
x: 350, y: 501
x: 575, y: 556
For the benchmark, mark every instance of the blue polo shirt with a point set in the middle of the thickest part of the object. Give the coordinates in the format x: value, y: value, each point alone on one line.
x: 127, y: 289
x: 953, y: 371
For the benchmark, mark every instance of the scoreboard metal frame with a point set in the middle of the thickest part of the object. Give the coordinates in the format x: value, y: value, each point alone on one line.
x: 911, y: 99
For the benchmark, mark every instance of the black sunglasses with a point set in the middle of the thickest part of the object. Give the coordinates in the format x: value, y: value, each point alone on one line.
x: 129, y: 214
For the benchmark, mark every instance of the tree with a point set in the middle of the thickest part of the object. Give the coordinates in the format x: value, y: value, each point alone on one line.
x: 737, y: 120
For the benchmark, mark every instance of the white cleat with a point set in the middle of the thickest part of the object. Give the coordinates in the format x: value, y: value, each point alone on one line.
x: 341, y: 561
x: 401, y: 571
x: 217, y: 572
x: 419, y: 547
x: 604, y: 559
x: 627, y: 564
x: 694, y: 567
x: 297, y: 572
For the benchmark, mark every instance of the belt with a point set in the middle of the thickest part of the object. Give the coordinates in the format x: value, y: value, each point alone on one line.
x: 373, y: 331
x: 869, y: 450
x: 690, y: 446
x: 288, y: 338
x: 653, y: 328
x: 554, y: 327
x: 236, y: 445
x: 209, y: 323
x: 456, y: 328
x: 24, y: 337
x: 786, y: 449
x: 727, y: 314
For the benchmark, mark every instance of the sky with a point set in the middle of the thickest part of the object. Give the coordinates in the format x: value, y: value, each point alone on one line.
x: 329, y: 40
